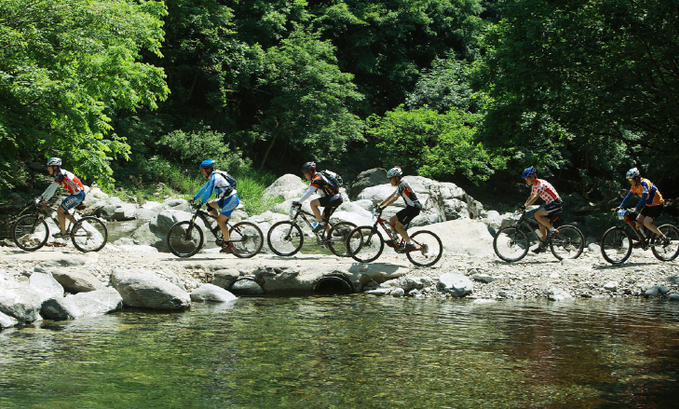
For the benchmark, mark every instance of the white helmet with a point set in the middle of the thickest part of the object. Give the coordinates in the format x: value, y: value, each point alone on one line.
x: 393, y: 172
x: 54, y: 162
x: 632, y: 173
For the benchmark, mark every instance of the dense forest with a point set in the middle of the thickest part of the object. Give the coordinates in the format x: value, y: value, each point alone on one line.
x: 132, y: 93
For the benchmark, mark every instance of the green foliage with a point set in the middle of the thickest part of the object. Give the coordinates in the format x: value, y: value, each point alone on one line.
x: 189, y: 149
x: 65, y: 66
x: 440, y: 146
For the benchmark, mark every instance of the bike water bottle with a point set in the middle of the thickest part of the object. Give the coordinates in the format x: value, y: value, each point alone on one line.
x: 537, y: 233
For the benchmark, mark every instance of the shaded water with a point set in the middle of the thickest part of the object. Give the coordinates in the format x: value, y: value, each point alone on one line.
x: 351, y: 351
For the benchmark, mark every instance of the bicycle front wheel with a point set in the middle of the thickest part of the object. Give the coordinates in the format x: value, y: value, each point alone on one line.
x: 89, y: 234
x: 365, y: 244
x: 337, y: 238
x: 667, y: 252
x: 511, y: 243
x: 30, y: 232
x: 569, y: 242
x: 616, y: 245
x: 247, y: 239
x: 285, y: 238
x: 428, y: 249
x: 184, y: 239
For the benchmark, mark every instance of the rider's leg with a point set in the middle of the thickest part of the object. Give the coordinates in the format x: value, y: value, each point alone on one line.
x: 648, y: 222
x: 545, y: 224
x: 70, y: 202
x: 62, y: 215
x: 221, y: 219
x: 316, y: 209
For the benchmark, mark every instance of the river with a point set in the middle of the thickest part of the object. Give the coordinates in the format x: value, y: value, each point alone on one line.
x: 352, y: 351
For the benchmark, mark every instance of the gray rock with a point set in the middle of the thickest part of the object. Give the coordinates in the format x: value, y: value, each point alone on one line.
x: 368, y: 178
x: 45, y: 285
x: 211, y: 292
x: 126, y: 211
x: 397, y: 292
x: 22, y: 303
x: 455, y: 284
x: 7, y: 321
x: 286, y: 187
x: 247, y: 286
x: 75, y: 281
x: 484, y: 278
x: 674, y: 297
x: 225, y: 277
x: 380, y: 291
x: 73, y: 261
x: 59, y: 309
x: 656, y: 291
x: 144, y: 289
x: 99, y: 302
x: 557, y: 294
x: 611, y: 286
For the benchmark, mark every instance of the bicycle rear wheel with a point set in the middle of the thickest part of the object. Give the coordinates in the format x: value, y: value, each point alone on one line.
x: 365, y: 244
x: 428, y: 249
x: 285, y: 238
x: 511, y: 243
x: 184, y: 239
x: 337, y: 238
x: 569, y: 242
x: 30, y: 232
x: 616, y: 245
x: 89, y: 234
x: 670, y: 251
x: 247, y: 239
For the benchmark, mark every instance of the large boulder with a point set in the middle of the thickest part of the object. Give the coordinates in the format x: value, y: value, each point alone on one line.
x: 21, y: 302
x: 286, y: 187
x: 463, y: 236
x: 213, y: 293
x: 7, y: 321
x: 45, y: 285
x: 455, y: 284
x: 76, y: 281
x: 144, y: 289
x: 86, y: 304
x: 368, y: 178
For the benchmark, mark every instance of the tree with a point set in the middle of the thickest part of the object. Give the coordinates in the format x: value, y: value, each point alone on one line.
x: 592, y: 80
x: 65, y: 67
x: 440, y: 146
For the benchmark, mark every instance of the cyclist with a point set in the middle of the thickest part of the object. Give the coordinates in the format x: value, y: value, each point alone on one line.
x: 651, y: 203
x: 412, y: 209
x: 226, y: 198
x: 330, y: 199
x: 76, y: 191
x: 545, y: 190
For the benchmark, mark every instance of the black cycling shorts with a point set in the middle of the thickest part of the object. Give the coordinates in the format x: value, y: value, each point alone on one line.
x: 329, y: 205
x: 407, y: 215
x: 553, y: 207
x: 652, y: 211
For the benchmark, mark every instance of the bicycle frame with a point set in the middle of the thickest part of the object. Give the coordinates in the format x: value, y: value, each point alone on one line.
x: 299, y: 212
x: 390, y: 238
x: 630, y: 221
x: 530, y: 224
x: 205, y: 217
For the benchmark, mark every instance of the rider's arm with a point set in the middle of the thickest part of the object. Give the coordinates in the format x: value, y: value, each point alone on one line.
x: 206, y: 190
x: 391, y: 199
x: 531, y: 200
x: 642, y: 202
x: 49, y: 192
x: 626, y: 199
x: 310, y: 191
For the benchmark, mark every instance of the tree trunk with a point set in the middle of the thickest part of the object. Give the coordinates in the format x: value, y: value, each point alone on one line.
x: 268, y: 149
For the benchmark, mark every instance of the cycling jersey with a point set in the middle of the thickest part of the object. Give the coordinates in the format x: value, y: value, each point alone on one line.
x: 217, y: 183
x: 319, y: 183
x: 545, y: 190
x: 66, y: 179
x: 650, y: 195
x: 408, y: 194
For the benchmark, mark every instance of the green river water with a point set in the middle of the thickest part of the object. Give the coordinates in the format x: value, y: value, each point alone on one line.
x: 353, y: 351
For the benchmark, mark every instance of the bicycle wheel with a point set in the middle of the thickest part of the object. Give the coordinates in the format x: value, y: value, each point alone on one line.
x: 670, y: 251
x: 567, y: 243
x: 428, y: 249
x: 337, y: 238
x: 89, y: 234
x: 365, y: 244
x: 30, y: 232
x: 511, y: 243
x: 616, y: 245
x: 285, y: 238
x: 184, y: 239
x: 247, y: 239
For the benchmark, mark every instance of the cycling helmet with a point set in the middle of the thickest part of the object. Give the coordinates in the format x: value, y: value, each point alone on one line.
x: 309, y: 166
x: 207, y: 164
x: 529, y: 172
x: 393, y: 172
x: 632, y: 173
x: 54, y: 162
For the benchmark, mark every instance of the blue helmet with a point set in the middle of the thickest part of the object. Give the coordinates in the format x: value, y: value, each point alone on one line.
x: 54, y: 162
x: 528, y: 172
x: 207, y: 164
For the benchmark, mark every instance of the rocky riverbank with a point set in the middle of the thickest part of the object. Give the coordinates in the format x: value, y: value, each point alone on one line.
x: 58, y: 282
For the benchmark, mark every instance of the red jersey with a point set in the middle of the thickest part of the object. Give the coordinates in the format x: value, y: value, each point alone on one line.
x: 545, y: 190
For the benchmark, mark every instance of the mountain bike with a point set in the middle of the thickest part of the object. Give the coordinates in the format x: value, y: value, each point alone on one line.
x: 186, y: 238
x: 366, y: 243
x: 286, y: 238
x: 511, y: 243
x: 30, y: 231
x: 617, y: 242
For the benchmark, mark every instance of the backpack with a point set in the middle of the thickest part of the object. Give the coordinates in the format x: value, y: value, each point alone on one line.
x: 229, y: 179
x: 333, y: 179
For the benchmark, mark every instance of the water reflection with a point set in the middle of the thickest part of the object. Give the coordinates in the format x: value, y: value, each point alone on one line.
x: 351, y: 351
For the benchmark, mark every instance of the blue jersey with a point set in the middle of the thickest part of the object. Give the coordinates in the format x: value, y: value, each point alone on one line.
x: 217, y: 183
